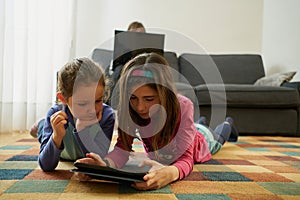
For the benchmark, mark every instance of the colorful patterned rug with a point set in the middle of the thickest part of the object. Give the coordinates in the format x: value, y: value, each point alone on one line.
x: 253, y: 168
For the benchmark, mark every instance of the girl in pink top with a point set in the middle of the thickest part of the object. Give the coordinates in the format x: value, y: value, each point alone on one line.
x: 150, y: 109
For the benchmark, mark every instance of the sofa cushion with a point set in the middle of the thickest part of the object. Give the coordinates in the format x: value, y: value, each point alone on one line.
x: 233, y: 68
x: 248, y: 96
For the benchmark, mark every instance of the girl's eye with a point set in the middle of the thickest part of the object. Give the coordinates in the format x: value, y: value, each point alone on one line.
x: 132, y: 98
x: 149, y: 99
x: 81, y: 104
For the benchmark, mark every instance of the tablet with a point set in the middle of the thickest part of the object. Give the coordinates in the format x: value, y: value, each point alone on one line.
x: 108, y: 173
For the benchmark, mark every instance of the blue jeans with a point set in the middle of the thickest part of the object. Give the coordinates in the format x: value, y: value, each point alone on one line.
x: 40, y: 130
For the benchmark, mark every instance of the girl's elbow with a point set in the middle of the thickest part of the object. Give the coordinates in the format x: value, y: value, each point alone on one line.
x: 46, y: 168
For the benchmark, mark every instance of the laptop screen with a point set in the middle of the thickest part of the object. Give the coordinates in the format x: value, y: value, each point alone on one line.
x: 128, y: 44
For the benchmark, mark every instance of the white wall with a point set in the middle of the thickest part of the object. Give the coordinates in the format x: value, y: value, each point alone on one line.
x: 267, y: 27
x: 281, y: 36
x: 217, y: 25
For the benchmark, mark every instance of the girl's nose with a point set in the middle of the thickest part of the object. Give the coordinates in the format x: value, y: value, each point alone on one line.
x: 141, y: 106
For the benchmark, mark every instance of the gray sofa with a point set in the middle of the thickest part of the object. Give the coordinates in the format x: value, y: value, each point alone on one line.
x: 257, y: 110
x: 223, y: 85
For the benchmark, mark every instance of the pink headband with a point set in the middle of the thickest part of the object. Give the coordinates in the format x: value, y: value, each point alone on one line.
x: 143, y: 73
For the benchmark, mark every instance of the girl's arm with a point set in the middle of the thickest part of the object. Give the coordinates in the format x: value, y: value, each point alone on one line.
x: 107, y: 124
x: 49, y: 154
x: 191, y: 144
x: 118, y: 156
x: 185, y: 138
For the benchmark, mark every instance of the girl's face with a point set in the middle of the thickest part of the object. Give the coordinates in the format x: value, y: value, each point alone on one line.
x: 142, y: 100
x: 86, y: 102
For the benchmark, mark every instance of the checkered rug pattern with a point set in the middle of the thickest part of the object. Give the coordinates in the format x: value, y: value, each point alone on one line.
x: 253, y: 168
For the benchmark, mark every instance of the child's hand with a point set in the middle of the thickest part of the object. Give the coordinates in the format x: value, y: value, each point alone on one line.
x: 158, y: 176
x: 154, y: 165
x: 58, y: 120
x: 92, y: 158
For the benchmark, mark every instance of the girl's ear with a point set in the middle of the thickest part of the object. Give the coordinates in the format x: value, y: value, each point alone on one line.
x: 61, y: 97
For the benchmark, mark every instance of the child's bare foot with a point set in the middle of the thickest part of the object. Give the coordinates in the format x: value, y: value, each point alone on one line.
x: 34, y: 129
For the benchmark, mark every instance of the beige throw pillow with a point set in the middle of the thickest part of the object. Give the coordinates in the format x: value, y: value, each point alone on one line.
x: 275, y: 79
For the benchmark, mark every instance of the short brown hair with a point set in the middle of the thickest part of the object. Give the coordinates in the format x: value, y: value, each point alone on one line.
x: 83, y: 71
x: 135, y: 25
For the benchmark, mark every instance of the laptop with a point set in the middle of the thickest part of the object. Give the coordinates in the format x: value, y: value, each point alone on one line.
x: 128, y: 44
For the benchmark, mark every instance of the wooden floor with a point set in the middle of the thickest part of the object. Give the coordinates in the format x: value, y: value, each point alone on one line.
x: 9, y: 137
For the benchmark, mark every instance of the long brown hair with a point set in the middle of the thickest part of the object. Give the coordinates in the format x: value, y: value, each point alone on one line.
x: 161, y: 80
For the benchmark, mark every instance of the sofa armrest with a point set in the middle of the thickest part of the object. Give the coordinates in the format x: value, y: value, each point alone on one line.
x: 295, y: 85
x: 102, y: 56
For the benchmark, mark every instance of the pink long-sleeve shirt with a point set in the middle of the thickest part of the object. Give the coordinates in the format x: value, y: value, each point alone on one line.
x: 187, y: 146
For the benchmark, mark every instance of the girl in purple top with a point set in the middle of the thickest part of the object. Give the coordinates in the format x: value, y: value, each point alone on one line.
x: 81, y: 123
x: 150, y: 109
